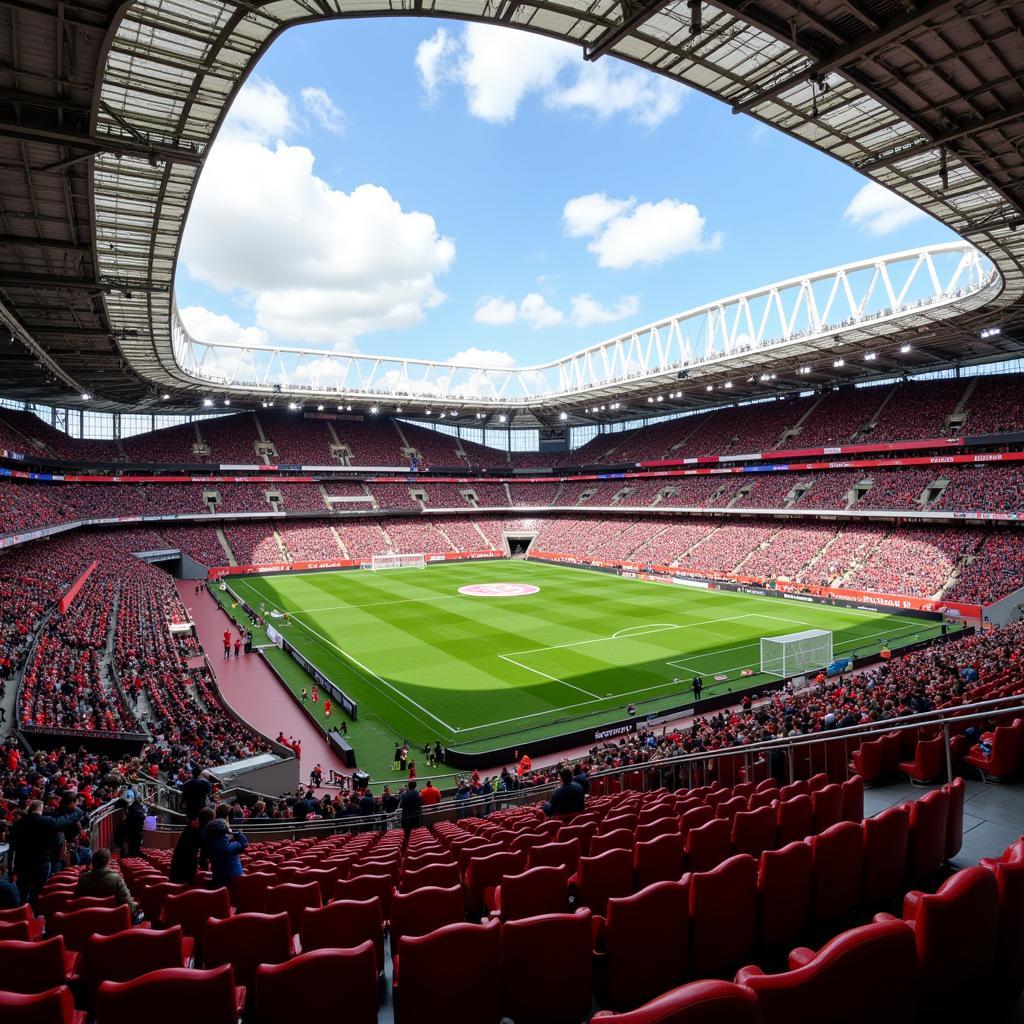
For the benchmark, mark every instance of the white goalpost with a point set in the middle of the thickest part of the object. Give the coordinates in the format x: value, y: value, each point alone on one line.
x: 397, y: 562
x: 795, y: 654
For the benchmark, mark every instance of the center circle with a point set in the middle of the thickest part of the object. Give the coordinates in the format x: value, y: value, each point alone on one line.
x: 498, y: 590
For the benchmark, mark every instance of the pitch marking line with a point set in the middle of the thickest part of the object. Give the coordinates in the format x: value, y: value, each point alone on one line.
x: 654, y: 627
x: 367, y: 671
x: 554, y: 679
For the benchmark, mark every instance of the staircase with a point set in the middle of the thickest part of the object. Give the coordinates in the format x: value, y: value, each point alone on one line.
x: 228, y: 553
x: 341, y: 543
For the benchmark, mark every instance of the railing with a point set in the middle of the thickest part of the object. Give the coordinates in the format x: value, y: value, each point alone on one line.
x: 682, y: 770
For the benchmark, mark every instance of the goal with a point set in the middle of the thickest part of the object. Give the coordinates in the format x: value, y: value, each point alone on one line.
x: 796, y: 653
x: 398, y: 562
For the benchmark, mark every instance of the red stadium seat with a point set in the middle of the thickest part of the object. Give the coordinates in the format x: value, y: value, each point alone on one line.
x: 16, y: 915
x: 929, y: 818
x: 364, y: 887
x: 754, y: 831
x: 955, y: 821
x: 194, y: 908
x: 795, y: 818
x: 837, y: 857
x: 1003, y: 761
x: 601, y: 877
x: 529, y: 949
x: 324, y: 985
x: 723, y: 915
x: 618, y: 839
x: 245, y: 941
x: 784, y: 893
x: 438, y: 876
x: 424, y: 910
x: 728, y: 809
x: 1009, y: 874
x: 171, y: 996
x: 886, y: 837
x: 565, y: 855
x: 77, y: 926
x: 708, y: 845
x: 827, y: 807
x: 700, y: 1002
x: 929, y: 761
x: 249, y: 892
x: 695, y: 817
x: 454, y: 973
x: 653, y: 830
x: 634, y: 968
x: 658, y: 860
x: 486, y: 873
x: 342, y: 925
x: 531, y: 893
x: 29, y: 968
x: 52, y: 1007
x: 853, y: 799
x: 865, y: 974
x: 583, y: 832
x: 867, y: 761
x: 130, y: 954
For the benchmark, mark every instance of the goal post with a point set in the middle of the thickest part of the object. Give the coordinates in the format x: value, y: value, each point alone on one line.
x: 795, y: 654
x: 389, y: 561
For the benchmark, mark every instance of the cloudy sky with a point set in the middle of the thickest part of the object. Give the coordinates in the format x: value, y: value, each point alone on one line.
x: 471, y: 193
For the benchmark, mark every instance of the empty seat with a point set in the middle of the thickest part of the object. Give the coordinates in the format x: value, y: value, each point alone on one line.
x: 342, y: 925
x: 929, y: 818
x: 486, y: 873
x: 956, y: 791
x: 795, y: 818
x: 584, y: 832
x: 454, y: 973
x: 171, y: 996
x: 322, y: 985
x: 662, y: 827
x: 853, y: 799
x: 533, y: 892
x: 130, y: 954
x: 754, y: 831
x: 633, y: 967
x: 700, y: 1002
x: 29, y: 968
x: 929, y: 761
x: 52, y: 1007
x: 249, y: 892
x: 784, y: 893
x: 529, y: 949
x: 565, y: 855
x: 245, y: 941
x: 424, y: 910
x: 365, y: 887
x: 708, y: 845
x: 723, y: 914
x: 864, y: 974
x: 955, y: 930
x: 77, y: 926
x: 619, y: 839
x: 194, y: 908
x: 826, y: 807
x: 728, y: 809
x: 837, y: 857
x: 603, y: 876
x: 658, y: 860
x: 695, y: 817
x: 885, y: 838
x: 24, y: 915
x: 1009, y: 874
x: 866, y: 761
x: 439, y: 875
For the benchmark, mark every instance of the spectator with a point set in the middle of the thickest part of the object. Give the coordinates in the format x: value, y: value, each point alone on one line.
x: 568, y: 798
x: 223, y: 848
x: 103, y: 880
x: 34, y: 840
x: 134, y: 826
x: 196, y: 792
x: 188, y: 852
x: 430, y: 795
x: 411, y: 806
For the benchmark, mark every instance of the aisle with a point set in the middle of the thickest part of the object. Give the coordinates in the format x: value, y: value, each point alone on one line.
x: 251, y: 688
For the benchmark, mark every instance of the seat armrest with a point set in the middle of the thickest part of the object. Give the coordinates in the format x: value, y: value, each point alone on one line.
x: 745, y: 973
x: 800, y: 957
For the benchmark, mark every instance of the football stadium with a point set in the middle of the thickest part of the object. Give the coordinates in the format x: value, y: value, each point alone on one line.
x: 511, y: 512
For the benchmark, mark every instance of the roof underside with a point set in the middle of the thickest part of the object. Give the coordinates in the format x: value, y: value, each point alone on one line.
x: 106, y: 110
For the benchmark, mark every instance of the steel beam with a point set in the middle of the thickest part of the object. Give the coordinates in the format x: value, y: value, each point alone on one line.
x: 632, y: 19
x: 100, y: 143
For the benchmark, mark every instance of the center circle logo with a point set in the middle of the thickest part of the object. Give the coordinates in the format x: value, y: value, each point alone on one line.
x: 498, y: 590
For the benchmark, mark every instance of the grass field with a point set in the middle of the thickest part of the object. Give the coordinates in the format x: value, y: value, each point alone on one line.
x: 426, y: 662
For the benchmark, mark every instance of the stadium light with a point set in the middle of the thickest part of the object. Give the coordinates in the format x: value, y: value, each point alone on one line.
x: 86, y: 396
x: 870, y: 357
x: 227, y: 401
x: 398, y: 408
x: 991, y: 332
x: 839, y: 362
x: 207, y: 402
x: 319, y: 408
x: 661, y: 398
x: 904, y: 349
x: 502, y: 418
x: 441, y: 416
x: 373, y: 410
x: 728, y: 383
x: 710, y: 387
x: 650, y: 400
x: 164, y: 397
x: 292, y: 406
x: 563, y: 415
x: 348, y: 408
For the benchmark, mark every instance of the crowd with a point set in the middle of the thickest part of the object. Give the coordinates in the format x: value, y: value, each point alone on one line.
x: 307, y: 542
x: 996, y: 570
x: 301, y: 497
x: 918, y: 409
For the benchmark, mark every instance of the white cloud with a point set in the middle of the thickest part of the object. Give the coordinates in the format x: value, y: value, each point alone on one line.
x: 624, y: 234
x: 432, y: 57
x: 329, y: 116
x: 538, y: 312
x: 493, y: 309
x: 205, y: 325
x: 316, y: 265
x: 486, y: 357
x: 584, y: 215
x: 498, y: 69
x: 586, y: 310
x: 879, y: 211
x: 260, y: 111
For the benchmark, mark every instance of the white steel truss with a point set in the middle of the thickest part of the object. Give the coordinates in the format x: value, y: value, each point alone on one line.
x: 860, y: 301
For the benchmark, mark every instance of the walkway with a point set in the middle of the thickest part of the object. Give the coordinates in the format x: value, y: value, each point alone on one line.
x: 251, y: 688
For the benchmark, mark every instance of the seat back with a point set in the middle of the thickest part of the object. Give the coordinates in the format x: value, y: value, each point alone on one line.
x: 423, y: 910
x: 363, y: 887
x: 454, y: 973
x: 956, y: 790
x: 867, y: 760
x: 438, y: 875
x: 308, y: 987
x: 929, y: 818
x: 661, y: 827
x: 1009, y: 875
x: 723, y: 915
x: 837, y: 857
x: 245, y: 941
x: 534, y: 892
x: 635, y: 968
x: 754, y: 831
x: 885, y: 837
x: 485, y: 873
x: 658, y: 860
x: 708, y: 845
x: 700, y: 1002
x: 77, y: 926
x: 129, y: 954
x: 795, y: 818
x: 249, y: 892
x: 617, y: 839
x: 784, y: 893
x: 173, y: 994
x: 603, y: 876
x: 565, y: 855
x: 584, y: 832
x: 853, y: 799
x: 194, y: 908
x: 29, y: 968
x: 53, y: 1007
x: 864, y: 974
x: 826, y: 807
x: 529, y: 948
x: 343, y: 924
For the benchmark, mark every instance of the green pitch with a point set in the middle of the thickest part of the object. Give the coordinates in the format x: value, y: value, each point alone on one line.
x: 425, y: 662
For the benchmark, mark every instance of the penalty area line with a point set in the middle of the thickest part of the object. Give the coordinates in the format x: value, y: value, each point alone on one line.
x: 554, y: 679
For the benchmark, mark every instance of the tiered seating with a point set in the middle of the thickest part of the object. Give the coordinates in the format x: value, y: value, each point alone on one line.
x: 372, y: 443
x: 714, y: 491
x: 307, y: 542
x: 984, y: 488
x: 837, y: 417
x: 491, y: 495
x: 789, y: 551
x: 243, y: 498
x: 538, y: 495
x: 725, y: 549
x: 913, y: 561
x: 444, y: 496
x: 414, y: 536
x: 462, y: 533
x: 829, y: 488
x: 435, y: 448
x: 850, y: 548
x: 995, y: 406
x: 770, y: 490
x: 253, y: 543
x: 298, y: 441
x: 301, y: 498
x: 171, y: 445
x: 745, y: 428
x: 393, y: 496
x: 898, y: 489
x: 918, y: 409
x: 997, y: 569
x: 198, y: 542
x: 363, y: 539
x: 232, y: 439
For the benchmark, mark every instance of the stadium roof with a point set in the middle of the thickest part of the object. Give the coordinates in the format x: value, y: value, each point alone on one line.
x: 107, y: 109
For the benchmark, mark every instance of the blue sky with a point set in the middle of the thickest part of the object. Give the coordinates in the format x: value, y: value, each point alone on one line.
x: 412, y: 187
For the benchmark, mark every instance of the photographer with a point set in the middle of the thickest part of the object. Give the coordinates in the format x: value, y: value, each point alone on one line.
x: 223, y: 847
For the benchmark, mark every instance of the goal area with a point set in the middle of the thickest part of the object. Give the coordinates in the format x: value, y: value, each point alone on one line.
x: 795, y: 654
x: 397, y: 562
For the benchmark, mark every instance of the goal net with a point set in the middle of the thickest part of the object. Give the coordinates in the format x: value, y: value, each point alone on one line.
x: 398, y: 562
x: 796, y: 653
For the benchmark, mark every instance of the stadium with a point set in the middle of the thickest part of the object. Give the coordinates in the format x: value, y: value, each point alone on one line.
x: 674, y: 679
